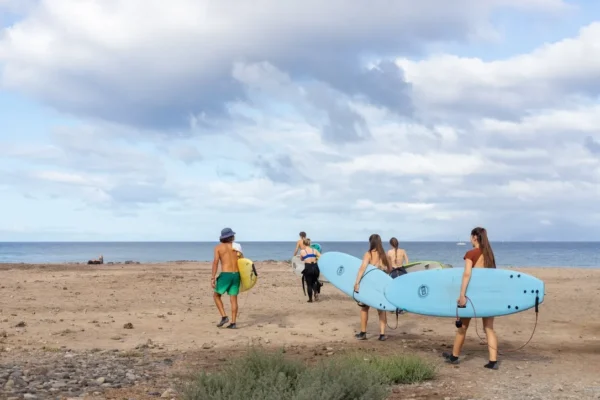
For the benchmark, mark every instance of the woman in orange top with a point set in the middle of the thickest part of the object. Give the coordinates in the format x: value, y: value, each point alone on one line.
x: 481, y: 256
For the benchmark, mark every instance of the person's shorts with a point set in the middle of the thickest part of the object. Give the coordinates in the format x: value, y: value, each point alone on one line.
x: 228, y: 282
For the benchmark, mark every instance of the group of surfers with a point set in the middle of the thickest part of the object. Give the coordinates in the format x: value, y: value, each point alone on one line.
x: 227, y: 252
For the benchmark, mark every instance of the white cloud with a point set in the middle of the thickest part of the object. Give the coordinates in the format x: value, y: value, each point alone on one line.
x: 581, y: 119
x: 102, y: 58
x: 62, y: 177
x: 555, y: 74
x: 267, y: 112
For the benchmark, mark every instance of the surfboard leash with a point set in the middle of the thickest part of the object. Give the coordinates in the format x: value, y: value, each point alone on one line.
x: 537, y: 310
x: 397, y: 312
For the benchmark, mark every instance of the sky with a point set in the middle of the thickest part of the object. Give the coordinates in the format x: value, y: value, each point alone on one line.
x: 152, y: 120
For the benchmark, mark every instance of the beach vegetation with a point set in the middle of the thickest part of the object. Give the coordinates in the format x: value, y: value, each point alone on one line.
x: 272, y: 376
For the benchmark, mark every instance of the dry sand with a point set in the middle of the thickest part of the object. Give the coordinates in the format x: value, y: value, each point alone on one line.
x: 49, y: 313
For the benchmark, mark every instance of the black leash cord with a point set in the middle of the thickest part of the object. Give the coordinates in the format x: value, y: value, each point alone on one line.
x: 537, y: 303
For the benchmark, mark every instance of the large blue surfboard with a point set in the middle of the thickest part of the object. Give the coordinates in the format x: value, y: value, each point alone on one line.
x: 341, y: 269
x: 493, y: 292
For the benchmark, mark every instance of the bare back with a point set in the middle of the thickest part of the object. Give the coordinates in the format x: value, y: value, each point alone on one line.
x: 227, y: 257
x: 396, y: 257
x: 376, y: 260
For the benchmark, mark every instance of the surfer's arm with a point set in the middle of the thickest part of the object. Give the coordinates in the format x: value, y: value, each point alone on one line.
x: 406, y: 257
x: 297, y: 247
x: 362, y: 268
x: 215, y: 265
x: 466, y: 277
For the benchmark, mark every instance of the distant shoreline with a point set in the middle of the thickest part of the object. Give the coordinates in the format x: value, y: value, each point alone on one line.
x: 292, y: 241
x: 206, y: 263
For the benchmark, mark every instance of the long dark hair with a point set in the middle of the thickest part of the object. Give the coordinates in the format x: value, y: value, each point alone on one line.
x: 484, y: 245
x: 376, y: 245
x: 394, y: 243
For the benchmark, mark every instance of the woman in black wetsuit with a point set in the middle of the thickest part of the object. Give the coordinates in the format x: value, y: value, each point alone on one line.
x: 311, y: 272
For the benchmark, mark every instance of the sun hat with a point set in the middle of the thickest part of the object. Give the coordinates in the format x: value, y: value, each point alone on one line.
x: 226, y: 233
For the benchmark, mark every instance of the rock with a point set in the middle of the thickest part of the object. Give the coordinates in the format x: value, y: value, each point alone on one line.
x: 207, y: 346
x: 100, y: 381
x: 557, y: 388
x: 29, y: 396
x: 21, y: 325
x: 167, y: 393
x: 128, y: 325
x: 59, y: 385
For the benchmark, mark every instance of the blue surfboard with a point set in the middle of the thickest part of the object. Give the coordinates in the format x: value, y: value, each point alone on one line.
x: 341, y: 269
x: 493, y: 292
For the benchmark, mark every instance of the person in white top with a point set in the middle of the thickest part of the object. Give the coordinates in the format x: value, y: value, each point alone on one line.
x: 238, y: 247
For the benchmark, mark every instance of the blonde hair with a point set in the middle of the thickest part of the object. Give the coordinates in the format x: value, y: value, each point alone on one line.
x: 306, y: 242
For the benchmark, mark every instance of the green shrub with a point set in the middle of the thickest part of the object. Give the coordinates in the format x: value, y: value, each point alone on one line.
x: 340, y: 378
x: 270, y: 376
x: 258, y: 375
x: 404, y: 369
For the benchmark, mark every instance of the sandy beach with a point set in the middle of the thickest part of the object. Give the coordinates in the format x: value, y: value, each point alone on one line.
x: 127, y: 331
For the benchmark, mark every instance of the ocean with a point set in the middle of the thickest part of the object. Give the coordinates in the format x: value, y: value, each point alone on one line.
x: 522, y: 254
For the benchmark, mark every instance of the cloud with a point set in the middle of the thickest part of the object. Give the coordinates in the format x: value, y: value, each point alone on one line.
x: 558, y: 74
x: 329, y: 117
x: 102, y: 59
x: 188, y: 154
x: 592, y: 145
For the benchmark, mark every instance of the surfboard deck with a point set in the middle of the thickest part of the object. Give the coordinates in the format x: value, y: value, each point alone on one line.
x: 341, y: 270
x: 494, y: 292
x: 424, y: 266
x: 248, y: 275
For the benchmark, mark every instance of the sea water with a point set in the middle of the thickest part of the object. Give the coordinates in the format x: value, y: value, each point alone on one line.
x: 522, y: 254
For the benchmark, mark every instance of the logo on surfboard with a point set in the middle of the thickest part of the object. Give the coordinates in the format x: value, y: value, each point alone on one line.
x: 340, y: 270
x: 423, y: 291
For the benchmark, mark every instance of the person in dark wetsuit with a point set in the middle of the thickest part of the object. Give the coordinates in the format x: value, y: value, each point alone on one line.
x: 311, y: 271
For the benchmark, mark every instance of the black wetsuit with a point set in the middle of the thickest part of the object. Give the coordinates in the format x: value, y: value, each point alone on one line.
x: 310, y: 275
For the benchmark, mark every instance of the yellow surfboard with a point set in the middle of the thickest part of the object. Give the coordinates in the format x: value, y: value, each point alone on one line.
x: 248, y: 275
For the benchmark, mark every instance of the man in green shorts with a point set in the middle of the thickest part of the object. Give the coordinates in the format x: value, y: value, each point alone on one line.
x: 229, y: 278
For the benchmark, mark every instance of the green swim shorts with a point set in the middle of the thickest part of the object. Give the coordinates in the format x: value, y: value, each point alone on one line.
x: 228, y: 282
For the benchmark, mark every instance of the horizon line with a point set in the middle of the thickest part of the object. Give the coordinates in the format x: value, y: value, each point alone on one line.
x: 288, y: 241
